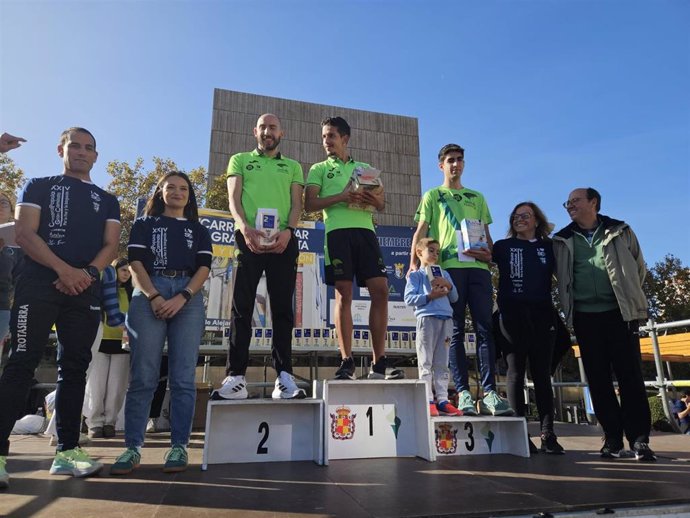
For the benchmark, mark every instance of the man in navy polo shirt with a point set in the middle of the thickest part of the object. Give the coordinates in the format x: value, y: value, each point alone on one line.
x: 69, y: 229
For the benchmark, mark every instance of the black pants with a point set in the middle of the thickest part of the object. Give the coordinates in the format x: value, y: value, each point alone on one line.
x: 281, y: 274
x: 607, y: 344
x: 37, y: 306
x: 532, y: 330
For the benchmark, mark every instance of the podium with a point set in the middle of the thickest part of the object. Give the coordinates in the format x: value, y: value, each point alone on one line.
x: 480, y: 435
x: 263, y: 430
x: 375, y: 418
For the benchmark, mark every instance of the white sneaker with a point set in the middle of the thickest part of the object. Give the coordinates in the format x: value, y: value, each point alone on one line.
x: 234, y: 387
x: 286, y: 388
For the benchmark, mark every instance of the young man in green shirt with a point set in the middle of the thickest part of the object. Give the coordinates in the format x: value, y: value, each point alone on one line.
x: 352, y: 249
x: 263, y: 179
x: 439, y: 216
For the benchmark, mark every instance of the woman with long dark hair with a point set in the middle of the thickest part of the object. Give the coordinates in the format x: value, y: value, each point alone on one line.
x: 526, y: 264
x: 11, y: 261
x: 170, y: 258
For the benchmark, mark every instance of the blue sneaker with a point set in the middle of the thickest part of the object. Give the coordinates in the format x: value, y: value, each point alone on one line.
x: 126, y: 462
x: 466, y: 403
x: 493, y: 404
x: 175, y: 459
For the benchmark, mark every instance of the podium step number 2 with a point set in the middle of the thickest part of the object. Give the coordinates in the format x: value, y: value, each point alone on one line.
x: 263, y: 430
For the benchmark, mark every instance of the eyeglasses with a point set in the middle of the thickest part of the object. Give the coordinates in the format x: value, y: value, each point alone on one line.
x: 571, y: 201
x: 522, y: 217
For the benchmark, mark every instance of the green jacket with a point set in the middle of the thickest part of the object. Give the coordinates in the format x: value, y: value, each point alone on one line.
x: 624, y: 264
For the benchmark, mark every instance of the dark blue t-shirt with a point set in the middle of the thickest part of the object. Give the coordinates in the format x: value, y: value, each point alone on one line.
x: 525, y: 269
x: 679, y: 406
x: 73, y: 217
x: 170, y: 243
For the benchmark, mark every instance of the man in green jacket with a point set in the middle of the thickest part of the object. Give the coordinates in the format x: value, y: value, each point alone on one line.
x: 600, y: 272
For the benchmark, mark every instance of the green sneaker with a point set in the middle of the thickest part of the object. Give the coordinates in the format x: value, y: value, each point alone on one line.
x: 4, y: 476
x: 175, y: 459
x: 74, y: 462
x: 493, y: 404
x: 126, y: 462
x: 466, y: 403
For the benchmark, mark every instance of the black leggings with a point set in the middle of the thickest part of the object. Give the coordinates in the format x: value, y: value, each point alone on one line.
x: 532, y: 331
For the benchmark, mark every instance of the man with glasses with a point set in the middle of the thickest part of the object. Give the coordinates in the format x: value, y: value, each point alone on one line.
x: 600, y: 272
x: 439, y: 216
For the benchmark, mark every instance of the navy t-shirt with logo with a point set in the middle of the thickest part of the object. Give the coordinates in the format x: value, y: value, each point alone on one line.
x: 73, y: 218
x: 525, y: 269
x: 171, y: 243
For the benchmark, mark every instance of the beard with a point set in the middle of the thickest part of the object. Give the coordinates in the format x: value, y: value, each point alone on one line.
x: 269, y: 145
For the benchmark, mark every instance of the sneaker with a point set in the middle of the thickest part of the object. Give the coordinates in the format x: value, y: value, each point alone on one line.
x: 83, y: 440
x: 96, y: 432
x: 643, y: 452
x: 75, y: 462
x: 492, y: 404
x: 286, y: 388
x: 151, y: 425
x: 380, y: 371
x: 433, y: 411
x: 611, y: 449
x: 466, y: 403
x: 4, y: 476
x: 175, y: 459
x: 346, y: 371
x: 234, y: 387
x: 549, y: 443
x: 445, y: 408
x: 126, y: 462
x: 108, y: 431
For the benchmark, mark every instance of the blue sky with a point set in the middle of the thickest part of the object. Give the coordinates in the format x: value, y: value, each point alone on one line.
x: 545, y: 96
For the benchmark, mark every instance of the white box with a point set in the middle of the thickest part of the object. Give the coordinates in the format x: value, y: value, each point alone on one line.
x: 366, y: 339
x: 257, y: 339
x: 356, y: 337
x: 394, y: 339
x: 405, y: 341
x: 268, y: 337
x: 297, y: 339
x: 316, y: 337
x: 268, y: 223
x: 307, y: 338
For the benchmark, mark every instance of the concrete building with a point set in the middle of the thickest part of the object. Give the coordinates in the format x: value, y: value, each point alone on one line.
x: 387, y: 142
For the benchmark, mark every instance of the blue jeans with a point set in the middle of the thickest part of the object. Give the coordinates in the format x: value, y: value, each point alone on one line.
x: 147, y: 336
x: 474, y: 289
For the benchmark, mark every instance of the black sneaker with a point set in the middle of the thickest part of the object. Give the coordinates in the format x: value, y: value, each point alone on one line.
x: 549, y: 444
x: 380, y: 371
x: 643, y: 452
x: 346, y: 371
x: 611, y: 449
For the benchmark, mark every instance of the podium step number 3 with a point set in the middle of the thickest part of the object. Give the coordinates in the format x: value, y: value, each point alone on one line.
x: 480, y: 436
x: 263, y: 430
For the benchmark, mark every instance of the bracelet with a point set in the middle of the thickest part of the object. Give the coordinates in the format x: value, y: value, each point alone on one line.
x: 291, y: 229
x: 187, y: 294
x: 153, y: 297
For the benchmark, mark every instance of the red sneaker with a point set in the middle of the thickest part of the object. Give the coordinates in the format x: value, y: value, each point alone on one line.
x: 445, y: 408
x: 433, y: 411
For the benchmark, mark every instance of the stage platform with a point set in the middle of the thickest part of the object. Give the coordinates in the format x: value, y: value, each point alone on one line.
x: 476, y: 486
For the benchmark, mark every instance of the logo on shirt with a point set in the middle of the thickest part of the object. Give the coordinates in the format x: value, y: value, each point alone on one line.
x: 96, y: 201
x: 189, y: 236
x: 541, y: 253
x: 251, y: 165
x: 159, y: 247
x: 58, y: 208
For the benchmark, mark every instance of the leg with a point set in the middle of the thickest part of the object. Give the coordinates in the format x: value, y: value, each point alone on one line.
x: 248, y: 273
x: 96, y: 390
x: 116, y: 388
x: 517, y: 362
x: 539, y: 353
x: 343, y: 317
x: 146, y: 340
x: 184, y: 336
x: 480, y: 302
x: 34, y: 311
x: 281, y: 275
x: 378, y: 314
x: 456, y: 353
x: 425, y: 350
x: 77, y: 327
x: 161, y: 388
x: 439, y: 366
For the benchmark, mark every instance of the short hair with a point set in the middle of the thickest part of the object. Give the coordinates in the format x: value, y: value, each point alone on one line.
x: 338, y: 123
x: 594, y: 194
x: 75, y: 129
x: 447, y: 149
x: 543, y: 229
x: 425, y: 242
x: 155, y: 205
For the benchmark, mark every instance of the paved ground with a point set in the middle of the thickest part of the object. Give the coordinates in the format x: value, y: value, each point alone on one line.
x: 492, y: 485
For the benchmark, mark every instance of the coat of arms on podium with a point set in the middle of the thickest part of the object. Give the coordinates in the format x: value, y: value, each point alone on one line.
x: 446, y: 439
x: 343, y: 424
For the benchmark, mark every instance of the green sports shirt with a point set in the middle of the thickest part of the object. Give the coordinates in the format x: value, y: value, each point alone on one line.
x: 443, y: 209
x: 266, y: 183
x: 331, y: 176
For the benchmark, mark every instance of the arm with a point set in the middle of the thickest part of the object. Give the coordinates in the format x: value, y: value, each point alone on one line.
x: 111, y: 240
x: 141, y: 279
x: 414, y: 293
x: 71, y: 281
x: 284, y: 236
x: 312, y: 202
x: 685, y: 412
x: 251, y: 235
x: 169, y: 308
x: 420, y: 233
x: 453, y: 293
x: 375, y: 199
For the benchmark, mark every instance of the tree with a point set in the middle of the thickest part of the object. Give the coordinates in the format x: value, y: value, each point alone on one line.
x: 11, y: 177
x: 667, y: 287
x: 132, y: 183
x: 217, y: 195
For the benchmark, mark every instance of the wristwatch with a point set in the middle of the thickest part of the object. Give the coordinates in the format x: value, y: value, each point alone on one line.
x: 93, y: 272
x: 291, y: 229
